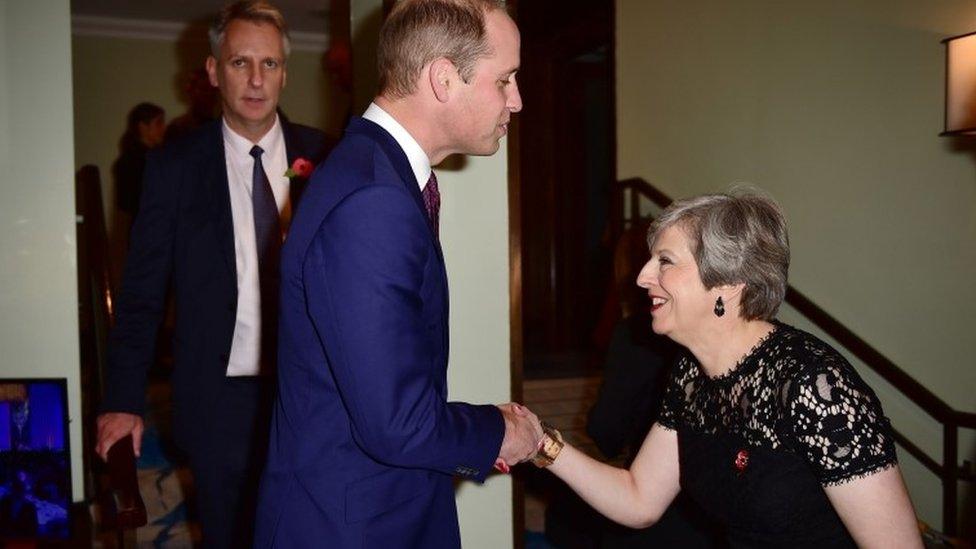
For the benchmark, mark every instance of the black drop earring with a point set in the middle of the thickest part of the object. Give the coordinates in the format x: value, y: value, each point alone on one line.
x: 719, y: 307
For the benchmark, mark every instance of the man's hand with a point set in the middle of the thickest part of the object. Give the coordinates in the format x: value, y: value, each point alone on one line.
x: 113, y: 427
x: 522, y: 434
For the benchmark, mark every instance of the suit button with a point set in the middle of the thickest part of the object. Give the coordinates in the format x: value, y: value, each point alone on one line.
x: 232, y: 308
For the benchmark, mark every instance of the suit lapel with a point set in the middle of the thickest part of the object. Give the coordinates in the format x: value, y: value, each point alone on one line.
x: 294, y: 151
x: 400, y: 163
x: 214, y: 171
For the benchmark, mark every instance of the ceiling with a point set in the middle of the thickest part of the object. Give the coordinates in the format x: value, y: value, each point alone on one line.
x: 301, y: 15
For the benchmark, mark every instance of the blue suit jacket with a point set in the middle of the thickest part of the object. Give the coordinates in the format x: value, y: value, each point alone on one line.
x: 364, y: 443
x: 184, y: 234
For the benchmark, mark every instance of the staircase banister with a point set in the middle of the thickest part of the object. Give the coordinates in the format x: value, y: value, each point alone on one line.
x: 965, y: 419
x: 124, y: 507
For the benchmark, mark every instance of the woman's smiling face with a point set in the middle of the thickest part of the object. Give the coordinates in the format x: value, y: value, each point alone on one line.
x: 679, y: 300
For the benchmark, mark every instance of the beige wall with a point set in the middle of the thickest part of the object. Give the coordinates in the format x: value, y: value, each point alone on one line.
x: 38, y: 296
x: 474, y: 234
x: 834, y: 108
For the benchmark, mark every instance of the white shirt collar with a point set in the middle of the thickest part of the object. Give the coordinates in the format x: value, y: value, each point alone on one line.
x: 241, y: 145
x: 419, y: 162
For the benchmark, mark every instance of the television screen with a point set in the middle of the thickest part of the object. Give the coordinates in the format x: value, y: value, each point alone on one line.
x: 35, y: 463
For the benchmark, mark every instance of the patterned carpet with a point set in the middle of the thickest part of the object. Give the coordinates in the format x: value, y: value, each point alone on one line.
x: 164, y: 479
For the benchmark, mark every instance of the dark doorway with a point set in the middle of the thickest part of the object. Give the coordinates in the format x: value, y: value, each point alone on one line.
x: 566, y: 162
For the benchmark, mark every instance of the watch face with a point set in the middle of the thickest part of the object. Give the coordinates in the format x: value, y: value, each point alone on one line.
x: 549, y: 447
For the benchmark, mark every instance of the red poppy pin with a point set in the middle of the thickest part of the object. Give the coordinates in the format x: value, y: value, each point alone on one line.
x: 741, y: 461
x: 301, y: 167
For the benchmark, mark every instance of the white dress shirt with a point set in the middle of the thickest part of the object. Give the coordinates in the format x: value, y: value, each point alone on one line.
x: 419, y: 162
x: 245, y: 350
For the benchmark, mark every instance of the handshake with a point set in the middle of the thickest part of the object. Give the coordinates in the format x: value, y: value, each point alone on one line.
x: 523, y: 436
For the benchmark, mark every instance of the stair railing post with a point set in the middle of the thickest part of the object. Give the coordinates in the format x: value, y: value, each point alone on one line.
x: 950, y: 475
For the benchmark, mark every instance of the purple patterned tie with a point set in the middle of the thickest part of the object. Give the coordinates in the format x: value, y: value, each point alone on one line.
x: 432, y: 201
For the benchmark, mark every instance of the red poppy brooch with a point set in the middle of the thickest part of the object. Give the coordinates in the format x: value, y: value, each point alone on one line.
x: 741, y: 461
x: 301, y: 167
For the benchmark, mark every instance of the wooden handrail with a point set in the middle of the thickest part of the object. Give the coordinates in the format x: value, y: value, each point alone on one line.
x: 119, y: 490
x: 950, y: 418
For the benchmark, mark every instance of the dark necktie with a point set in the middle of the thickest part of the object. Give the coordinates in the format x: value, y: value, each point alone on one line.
x: 267, y: 232
x: 432, y: 202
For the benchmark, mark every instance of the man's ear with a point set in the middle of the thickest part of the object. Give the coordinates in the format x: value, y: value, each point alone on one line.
x: 442, y: 75
x: 211, y: 66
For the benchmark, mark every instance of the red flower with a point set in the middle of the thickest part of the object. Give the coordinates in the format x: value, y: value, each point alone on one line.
x: 301, y: 167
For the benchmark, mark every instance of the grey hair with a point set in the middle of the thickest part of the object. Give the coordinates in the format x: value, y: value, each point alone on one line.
x: 736, y: 237
x: 255, y: 11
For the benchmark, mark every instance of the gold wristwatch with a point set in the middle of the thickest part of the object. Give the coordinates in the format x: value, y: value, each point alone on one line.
x: 549, y: 447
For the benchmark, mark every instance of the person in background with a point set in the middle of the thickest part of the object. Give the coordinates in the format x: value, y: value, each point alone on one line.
x: 765, y: 426
x: 144, y: 130
x: 202, y: 105
x: 215, y: 208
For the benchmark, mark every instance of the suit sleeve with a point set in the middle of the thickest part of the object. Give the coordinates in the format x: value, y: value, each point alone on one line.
x: 141, y: 301
x: 363, y: 275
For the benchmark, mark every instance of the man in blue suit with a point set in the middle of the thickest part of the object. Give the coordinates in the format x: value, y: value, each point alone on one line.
x: 364, y: 444
x: 215, y: 206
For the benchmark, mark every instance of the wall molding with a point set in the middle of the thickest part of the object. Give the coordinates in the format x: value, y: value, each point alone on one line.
x: 170, y: 31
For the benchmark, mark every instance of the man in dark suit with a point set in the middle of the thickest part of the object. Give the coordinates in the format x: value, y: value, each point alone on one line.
x: 364, y: 443
x: 215, y: 207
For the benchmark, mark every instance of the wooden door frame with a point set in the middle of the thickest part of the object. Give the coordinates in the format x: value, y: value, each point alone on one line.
x: 516, y: 328
x: 516, y: 348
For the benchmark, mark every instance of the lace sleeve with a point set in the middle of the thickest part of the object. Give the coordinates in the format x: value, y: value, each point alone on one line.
x: 674, y: 395
x: 839, y: 424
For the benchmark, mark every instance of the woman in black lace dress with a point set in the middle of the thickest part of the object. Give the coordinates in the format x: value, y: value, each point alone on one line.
x: 768, y: 428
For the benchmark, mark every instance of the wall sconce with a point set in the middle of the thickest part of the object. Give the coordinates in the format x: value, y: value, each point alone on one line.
x: 960, y: 85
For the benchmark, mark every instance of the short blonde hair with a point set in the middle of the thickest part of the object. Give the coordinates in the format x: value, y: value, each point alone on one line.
x: 255, y: 11
x: 420, y: 31
x: 736, y: 237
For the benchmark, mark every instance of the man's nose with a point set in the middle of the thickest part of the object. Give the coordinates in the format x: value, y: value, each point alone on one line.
x: 514, y: 102
x: 255, y: 78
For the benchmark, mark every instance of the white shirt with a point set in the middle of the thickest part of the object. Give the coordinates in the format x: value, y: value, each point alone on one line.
x: 419, y: 162
x: 245, y: 350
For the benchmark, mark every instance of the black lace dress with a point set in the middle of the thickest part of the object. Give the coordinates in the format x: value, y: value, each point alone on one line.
x: 758, y: 444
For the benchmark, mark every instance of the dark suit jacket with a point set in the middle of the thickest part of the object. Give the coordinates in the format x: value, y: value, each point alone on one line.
x: 364, y: 443
x: 184, y: 233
